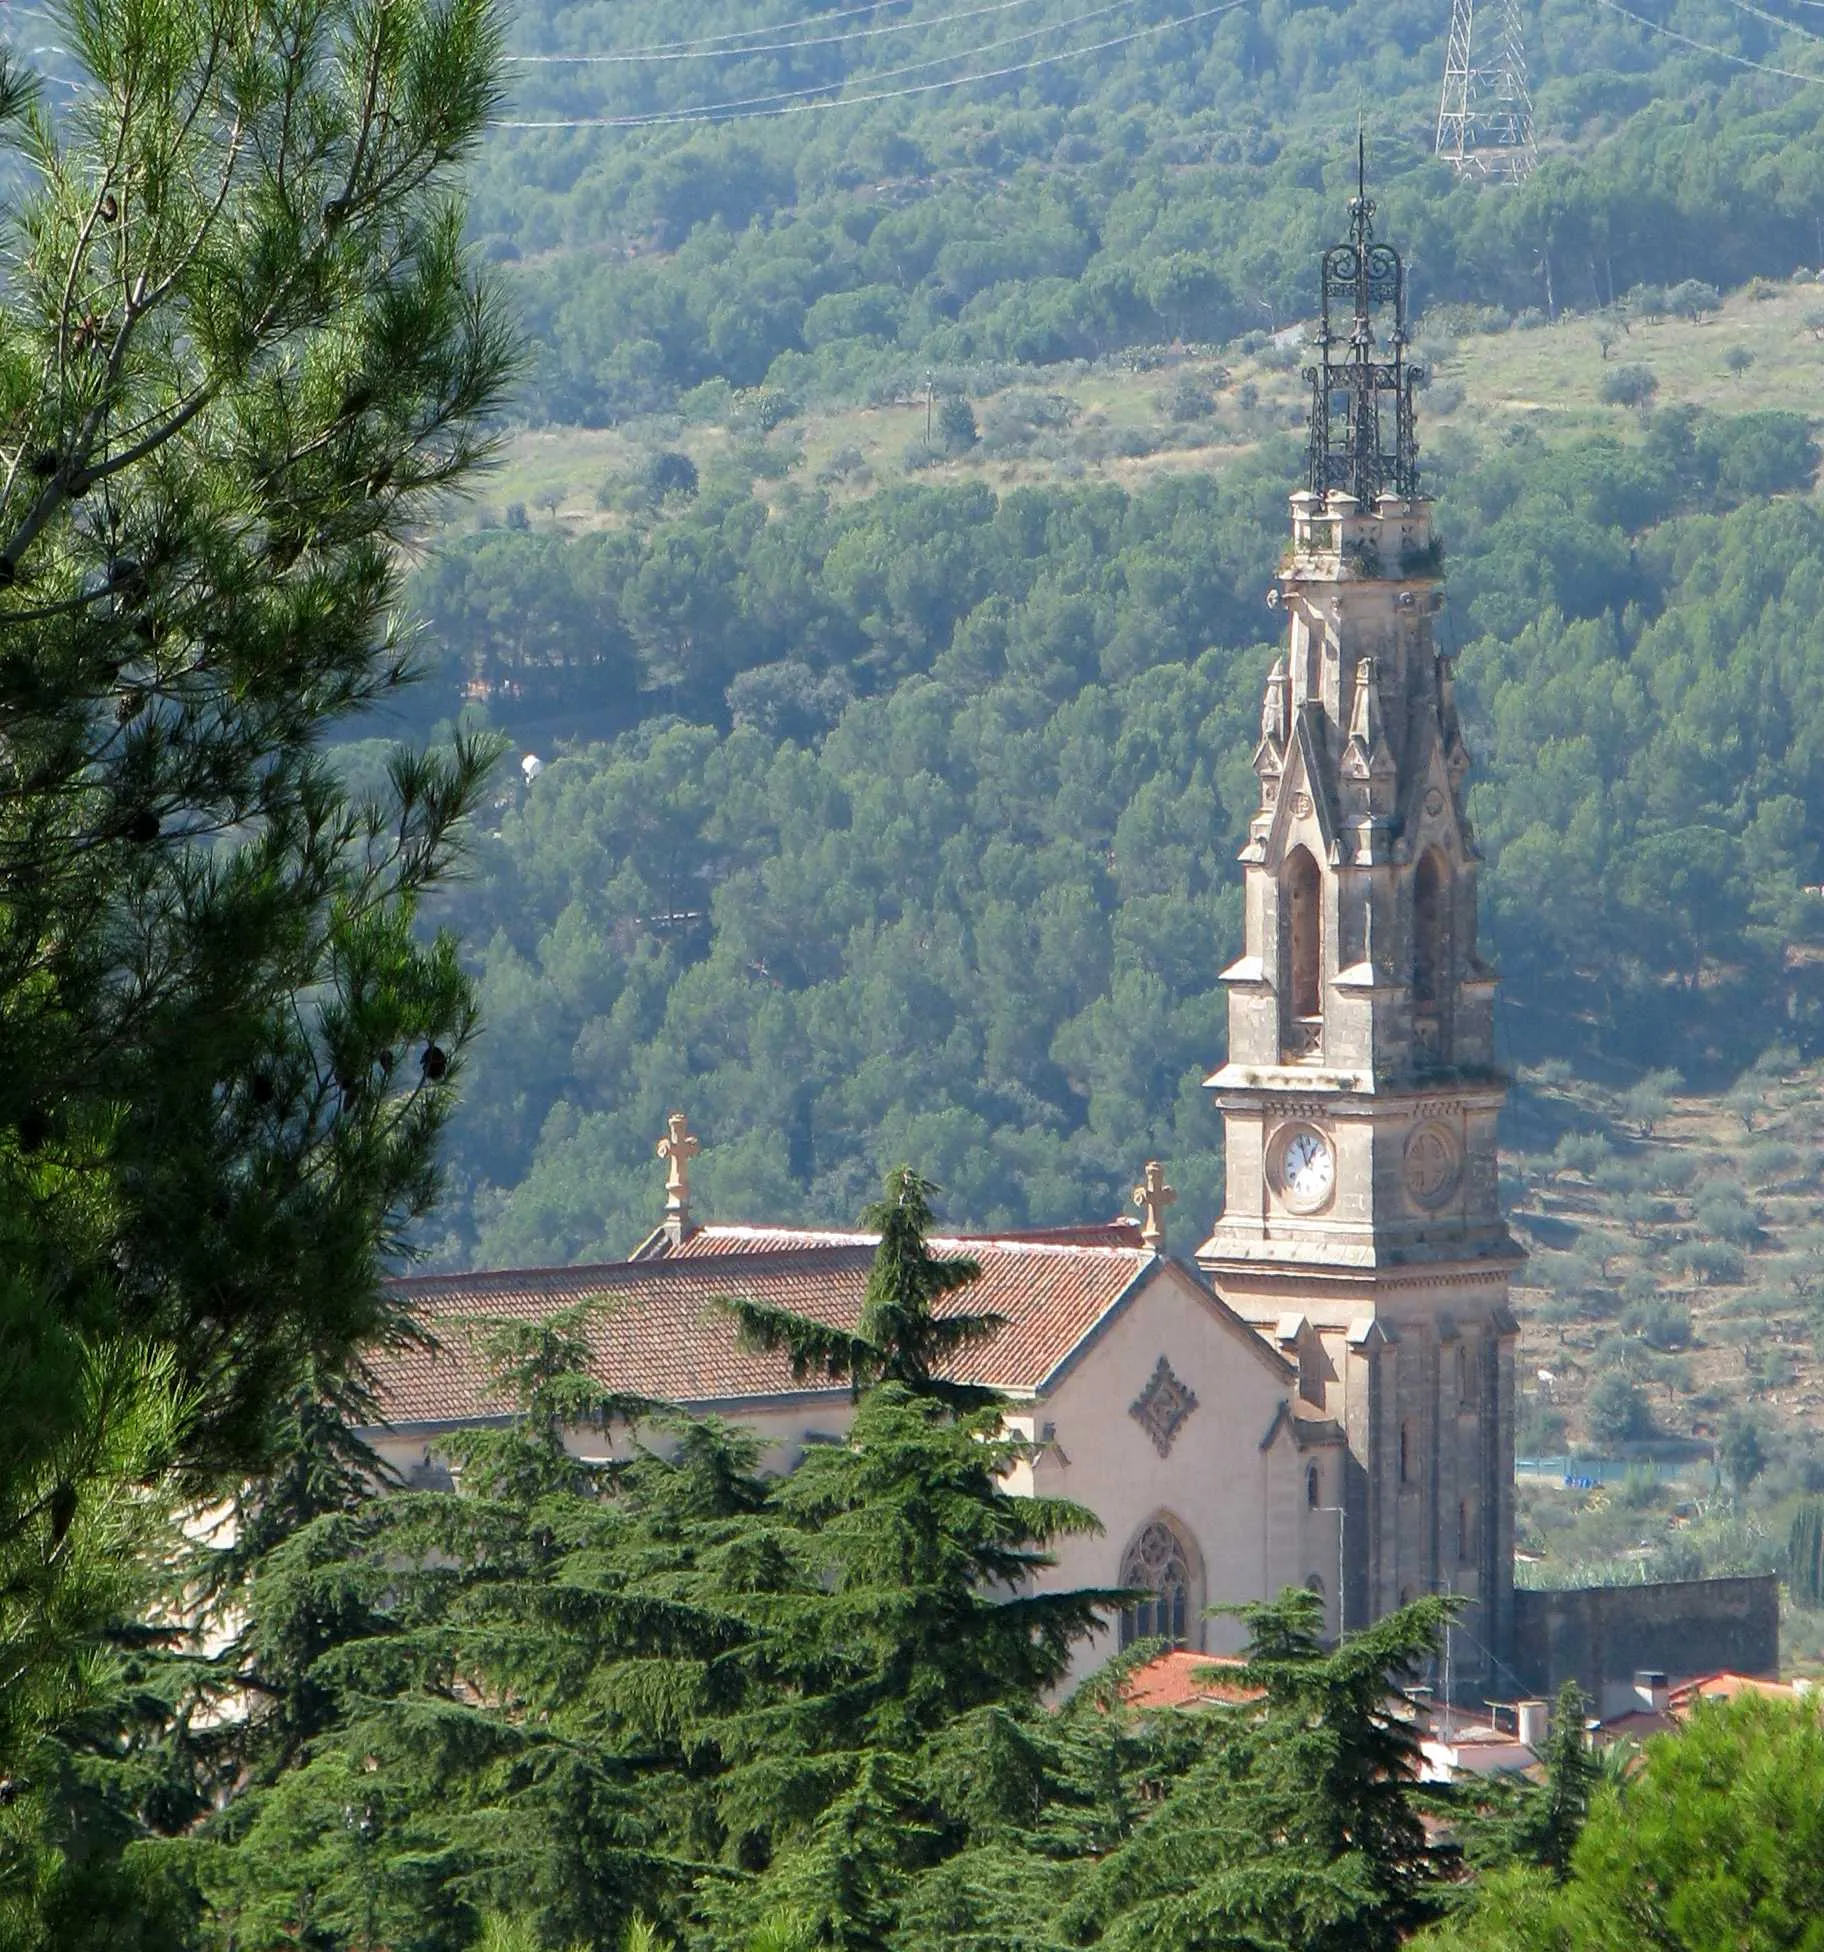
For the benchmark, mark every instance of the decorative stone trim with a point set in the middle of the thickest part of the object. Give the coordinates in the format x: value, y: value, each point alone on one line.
x: 1162, y: 1407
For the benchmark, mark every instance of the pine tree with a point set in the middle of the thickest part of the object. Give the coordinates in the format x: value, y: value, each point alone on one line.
x: 1549, y: 1830
x: 500, y: 1683
x: 241, y: 353
x: 1805, y: 1553
x: 901, y: 1337
x: 917, y: 1607
x: 1297, y: 1826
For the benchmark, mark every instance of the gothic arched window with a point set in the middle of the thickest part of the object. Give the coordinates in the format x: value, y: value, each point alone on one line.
x: 1430, y: 931
x: 1313, y: 1487
x: 1160, y: 1562
x: 1301, y: 891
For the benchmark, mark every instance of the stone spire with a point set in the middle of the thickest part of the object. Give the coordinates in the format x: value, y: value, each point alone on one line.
x: 1360, y: 1095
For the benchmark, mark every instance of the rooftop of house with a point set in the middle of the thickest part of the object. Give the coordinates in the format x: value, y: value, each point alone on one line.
x: 1179, y: 1678
x: 1661, y: 1707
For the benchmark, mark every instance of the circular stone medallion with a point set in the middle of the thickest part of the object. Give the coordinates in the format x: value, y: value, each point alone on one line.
x: 1433, y: 1165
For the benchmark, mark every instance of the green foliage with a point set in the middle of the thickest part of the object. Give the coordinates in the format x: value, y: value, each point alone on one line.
x: 1628, y: 386
x: 645, y: 1691
x: 956, y: 426
x: 1172, y: 188
x: 1048, y: 702
x: 1616, y: 1411
x: 1325, y: 1770
x: 1549, y: 1830
x: 1805, y: 1553
x: 1740, y: 1450
x: 900, y: 1338
x: 242, y: 358
x: 1713, y: 1840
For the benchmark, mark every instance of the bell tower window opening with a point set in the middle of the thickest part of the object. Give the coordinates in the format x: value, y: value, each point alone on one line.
x: 1302, y: 953
x: 1430, y: 942
x: 1159, y: 1561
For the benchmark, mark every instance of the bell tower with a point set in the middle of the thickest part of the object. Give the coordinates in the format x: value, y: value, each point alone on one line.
x: 1360, y: 1095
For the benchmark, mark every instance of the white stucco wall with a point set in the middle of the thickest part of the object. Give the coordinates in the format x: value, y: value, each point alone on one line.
x: 1241, y: 1507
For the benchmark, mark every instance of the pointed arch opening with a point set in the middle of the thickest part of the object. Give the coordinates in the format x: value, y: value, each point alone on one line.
x: 1430, y: 931
x: 1301, y: 894
x: 1163, y: 1562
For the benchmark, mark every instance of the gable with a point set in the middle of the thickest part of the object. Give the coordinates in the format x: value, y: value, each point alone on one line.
x: 1174, y: 1289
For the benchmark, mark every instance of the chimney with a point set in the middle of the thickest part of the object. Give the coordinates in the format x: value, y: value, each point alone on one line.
x: 1535, y: 1719
x: 1651, y: 1691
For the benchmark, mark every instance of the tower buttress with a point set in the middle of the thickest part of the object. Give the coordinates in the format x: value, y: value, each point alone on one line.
x: 1361, y: 1092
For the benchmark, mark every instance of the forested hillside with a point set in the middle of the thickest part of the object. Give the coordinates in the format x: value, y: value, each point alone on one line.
x: 892, y: 799
x: 1173, y: 187
x: 950, y: 875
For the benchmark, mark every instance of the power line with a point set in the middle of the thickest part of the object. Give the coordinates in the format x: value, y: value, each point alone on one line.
x: 719, y: 113
x: 776, y: 27
x: 1773, y: 20
x: 643, y: 55
x: 725, y: 111
x: 1704, y: 47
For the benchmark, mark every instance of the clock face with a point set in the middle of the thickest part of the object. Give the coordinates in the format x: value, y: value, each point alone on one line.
x: 1307, y: 1167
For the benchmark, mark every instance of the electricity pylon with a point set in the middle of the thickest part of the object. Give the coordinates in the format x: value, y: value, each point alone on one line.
x: 1485, y: 114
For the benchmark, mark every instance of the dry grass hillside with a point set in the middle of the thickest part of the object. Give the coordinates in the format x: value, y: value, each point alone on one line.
x: 1125, y: 419
x: 1677, y: 1241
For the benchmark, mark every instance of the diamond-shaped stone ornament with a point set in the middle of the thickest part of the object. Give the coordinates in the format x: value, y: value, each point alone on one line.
x: 1161, y: 1408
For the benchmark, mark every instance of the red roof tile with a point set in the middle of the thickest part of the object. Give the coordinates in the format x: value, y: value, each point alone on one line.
x: 658, y: 1333
x: 1181, y: 1679
x: 1727, y: 1686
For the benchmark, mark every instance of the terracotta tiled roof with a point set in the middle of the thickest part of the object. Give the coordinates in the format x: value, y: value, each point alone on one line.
x: 730, y: 1238
x: 1726, y: 1686
x: 658, y: 1333
x: 1181, y: 1679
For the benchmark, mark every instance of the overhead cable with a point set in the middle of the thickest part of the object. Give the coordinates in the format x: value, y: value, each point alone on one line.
x: 723, y: 111
x: 1704, y: 47
x: 890, y: 94
x: 774, y: 27
x: 1774, y: 20
x: 642, y: 56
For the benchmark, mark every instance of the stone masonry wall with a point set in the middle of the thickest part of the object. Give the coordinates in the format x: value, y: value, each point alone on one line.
x: 1600, y: 1636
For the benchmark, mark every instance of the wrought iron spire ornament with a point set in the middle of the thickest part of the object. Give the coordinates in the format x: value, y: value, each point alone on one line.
x: 1363, y: 440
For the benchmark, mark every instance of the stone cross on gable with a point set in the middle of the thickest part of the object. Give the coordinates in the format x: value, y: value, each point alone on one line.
x: 1154, y: 1196
x: 678, y: 1148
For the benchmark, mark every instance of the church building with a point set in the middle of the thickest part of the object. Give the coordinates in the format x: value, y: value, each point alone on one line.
x: 1325, y: 1396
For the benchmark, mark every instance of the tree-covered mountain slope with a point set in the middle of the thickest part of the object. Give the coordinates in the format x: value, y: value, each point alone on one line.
x: 933, y: 856
x: 897, y: 672
x: 693, y: 202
